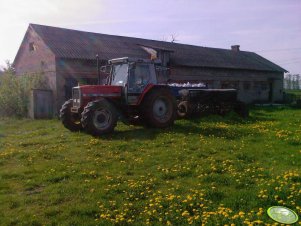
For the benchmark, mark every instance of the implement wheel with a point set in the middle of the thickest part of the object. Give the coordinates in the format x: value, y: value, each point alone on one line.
x: 99, y: 117
x: 183, y: 110
x: 159, y: 108
x: 70, y: 120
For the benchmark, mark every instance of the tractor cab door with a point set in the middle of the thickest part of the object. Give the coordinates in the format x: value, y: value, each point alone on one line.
x: 140, y: 75
x: 105, y: 73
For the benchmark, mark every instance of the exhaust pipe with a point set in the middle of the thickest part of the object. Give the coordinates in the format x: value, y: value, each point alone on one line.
x: 98, y: 68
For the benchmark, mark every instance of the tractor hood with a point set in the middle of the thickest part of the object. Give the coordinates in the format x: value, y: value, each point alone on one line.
x: 100, y: 91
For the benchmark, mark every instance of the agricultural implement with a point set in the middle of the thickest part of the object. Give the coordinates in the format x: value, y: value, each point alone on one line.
x: 133, y: 95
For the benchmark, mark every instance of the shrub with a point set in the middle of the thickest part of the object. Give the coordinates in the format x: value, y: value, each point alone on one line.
x: 15, y: 92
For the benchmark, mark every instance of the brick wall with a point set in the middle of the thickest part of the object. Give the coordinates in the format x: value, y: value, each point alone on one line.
x: 35, y: 57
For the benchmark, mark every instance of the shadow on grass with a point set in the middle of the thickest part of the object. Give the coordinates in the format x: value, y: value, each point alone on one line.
x: 137, y: 133
x: 215, y: 131
x: 141, y: 133
x: 274, y: 108
x: 234, y: 119
x: 194, y: 126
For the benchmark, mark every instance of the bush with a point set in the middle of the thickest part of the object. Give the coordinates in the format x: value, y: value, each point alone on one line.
x: 15, y: 92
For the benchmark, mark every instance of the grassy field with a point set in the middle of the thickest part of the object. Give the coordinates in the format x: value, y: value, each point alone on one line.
x: 212, y: 171
x: 293, y: 91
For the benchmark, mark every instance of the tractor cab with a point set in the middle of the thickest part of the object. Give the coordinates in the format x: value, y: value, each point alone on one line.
x: 131, y: 72
x: 134, y: 75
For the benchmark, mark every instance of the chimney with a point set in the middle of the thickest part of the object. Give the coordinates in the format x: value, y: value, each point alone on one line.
x: 235, y: 48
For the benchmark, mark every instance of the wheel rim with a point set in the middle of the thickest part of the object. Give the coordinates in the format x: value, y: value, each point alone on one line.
x: 102, y: 119
x: 75, y: 120
x: 161, y: 109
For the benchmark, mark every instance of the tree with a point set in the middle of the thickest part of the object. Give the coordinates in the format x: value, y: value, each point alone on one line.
x: 287, y: 81
x: 172, y: 38
x: 296, y: 81
x: 9, y: 68
x: 292, y: 81
x: 15, y: 92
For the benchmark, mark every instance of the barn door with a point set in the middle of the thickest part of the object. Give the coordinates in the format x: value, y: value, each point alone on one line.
x: 271, y: 90
x: 69, y: 84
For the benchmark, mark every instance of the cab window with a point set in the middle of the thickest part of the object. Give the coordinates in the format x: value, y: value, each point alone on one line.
x: 139, y: 77
x: 119, y: 74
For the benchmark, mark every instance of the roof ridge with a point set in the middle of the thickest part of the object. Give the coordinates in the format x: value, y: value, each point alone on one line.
x: 70, y: 43
x: 268, y: 61
x: 142, y: 39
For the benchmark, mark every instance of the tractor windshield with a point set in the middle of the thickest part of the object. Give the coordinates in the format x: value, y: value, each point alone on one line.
x: 119, y: 74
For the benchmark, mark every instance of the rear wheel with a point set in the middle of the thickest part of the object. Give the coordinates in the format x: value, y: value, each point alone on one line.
x: 159, y: 108
x: 99, y: 117
x: 70, y: 120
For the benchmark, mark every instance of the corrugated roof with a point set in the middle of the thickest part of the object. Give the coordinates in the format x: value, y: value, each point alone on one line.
x: 66, y: 43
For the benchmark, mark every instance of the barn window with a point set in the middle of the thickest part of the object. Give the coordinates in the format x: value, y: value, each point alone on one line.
x: 32, y: 47
x: 209, y: 84
x: 261, y: 86
x: 91, y: 81
x: 256, y: 86
x: 87, y: 81
x: 247, y: 85
x: 92, y: 63
x: 162, y: 74
x: 230, y: 85
x: 264, y: 86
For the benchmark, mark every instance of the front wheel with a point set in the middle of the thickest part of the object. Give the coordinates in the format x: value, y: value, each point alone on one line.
x: 159, y: 108
x: 99, y: 117
x: 70, y: 120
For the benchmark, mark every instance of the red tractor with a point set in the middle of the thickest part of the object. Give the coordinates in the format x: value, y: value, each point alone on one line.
x: 131, y: 93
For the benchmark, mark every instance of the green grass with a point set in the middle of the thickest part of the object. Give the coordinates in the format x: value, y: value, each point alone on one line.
x: 214, y: 170
x: 293, y: 91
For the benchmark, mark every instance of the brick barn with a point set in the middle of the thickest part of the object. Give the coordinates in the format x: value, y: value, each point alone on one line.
x: 67, y: 57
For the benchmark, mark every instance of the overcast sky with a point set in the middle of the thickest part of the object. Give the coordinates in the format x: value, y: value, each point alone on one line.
x: 271, y: 28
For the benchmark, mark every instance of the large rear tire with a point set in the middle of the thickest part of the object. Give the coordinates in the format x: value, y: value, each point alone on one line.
x: 159, y: 108
x: 70, y: 120
x: 99, y: 117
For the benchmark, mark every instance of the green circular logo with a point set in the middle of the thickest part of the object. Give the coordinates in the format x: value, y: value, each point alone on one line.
x: 282, y: 215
